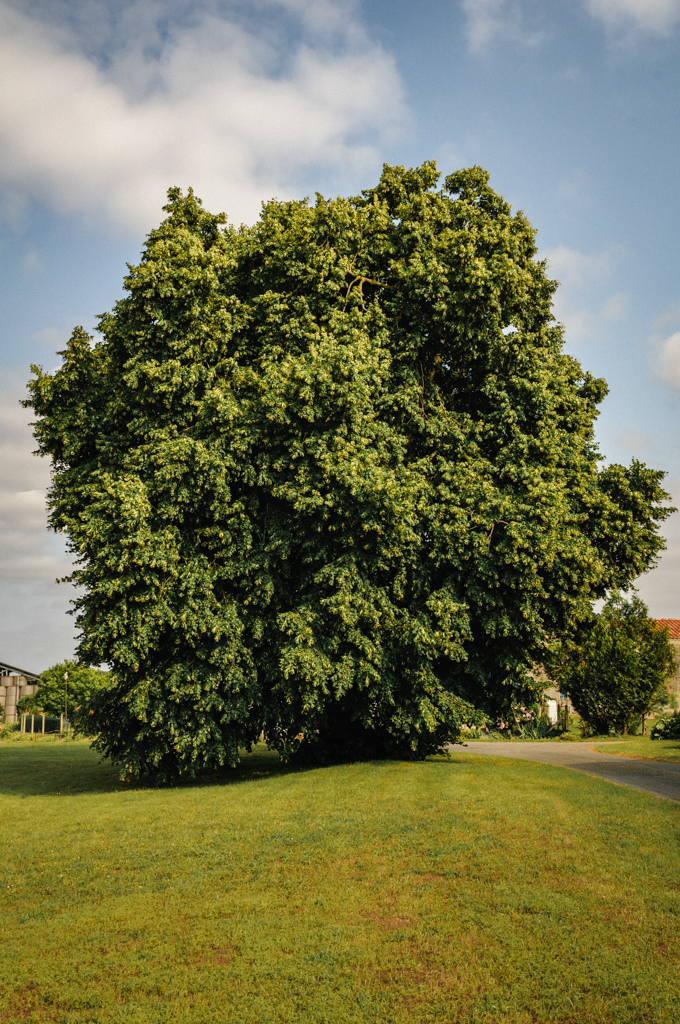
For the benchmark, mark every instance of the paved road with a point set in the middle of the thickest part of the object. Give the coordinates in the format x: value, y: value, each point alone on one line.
x: 656, y: 777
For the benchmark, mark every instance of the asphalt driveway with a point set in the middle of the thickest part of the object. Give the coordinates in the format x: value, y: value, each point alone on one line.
x: 655, y: 777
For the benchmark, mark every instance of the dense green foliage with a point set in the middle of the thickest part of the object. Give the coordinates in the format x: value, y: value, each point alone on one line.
x: 667, y: 727
x: 616, y: 666
x: 331, y: 477
x: 84, y: 684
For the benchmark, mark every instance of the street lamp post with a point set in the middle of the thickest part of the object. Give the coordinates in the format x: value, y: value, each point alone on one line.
x: 66, y: 699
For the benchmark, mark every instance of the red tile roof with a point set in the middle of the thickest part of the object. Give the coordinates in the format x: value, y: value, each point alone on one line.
x: 673, y: 627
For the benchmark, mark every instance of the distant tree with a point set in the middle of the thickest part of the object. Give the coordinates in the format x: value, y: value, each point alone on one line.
x: 83, y: 684
x: 616, y: 666
x: 332, y: 477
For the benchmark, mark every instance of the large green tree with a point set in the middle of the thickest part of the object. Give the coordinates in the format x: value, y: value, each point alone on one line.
x: 331, y: 477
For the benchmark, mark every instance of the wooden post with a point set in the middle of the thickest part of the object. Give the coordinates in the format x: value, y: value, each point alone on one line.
x: 61, y: 725
x: 43, y: 721
x: 644, y: 725
x: 32, y: 723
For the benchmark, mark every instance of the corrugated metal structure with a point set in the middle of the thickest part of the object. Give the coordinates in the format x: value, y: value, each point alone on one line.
x: 15, y: 683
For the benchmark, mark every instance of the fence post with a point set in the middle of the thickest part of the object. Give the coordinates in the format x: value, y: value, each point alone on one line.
x: 43, y: 721
x: 61, y: 725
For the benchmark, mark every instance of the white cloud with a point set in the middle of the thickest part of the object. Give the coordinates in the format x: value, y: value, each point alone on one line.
x: 668, y: 364
x: 99, y: 115
x: 485, y: 21
x: 623, y: 17
x: 660, y: 589
x: 492, y: 20
x: 616, y: 307
x: 574, y: 268
x: 584, y: 302
x: 35, y: 629
x: 27, y: 550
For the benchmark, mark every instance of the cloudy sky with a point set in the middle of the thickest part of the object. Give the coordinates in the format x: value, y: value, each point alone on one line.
x: 571, y: 106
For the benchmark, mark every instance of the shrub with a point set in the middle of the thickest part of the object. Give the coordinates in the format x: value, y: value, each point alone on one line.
x: 539, y: 730
x: 667, y: 728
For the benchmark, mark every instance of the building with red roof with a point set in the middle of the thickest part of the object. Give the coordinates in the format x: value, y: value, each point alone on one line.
x: 673, y: 627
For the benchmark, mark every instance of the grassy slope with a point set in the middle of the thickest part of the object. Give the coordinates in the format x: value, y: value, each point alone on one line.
x: 481, y: 890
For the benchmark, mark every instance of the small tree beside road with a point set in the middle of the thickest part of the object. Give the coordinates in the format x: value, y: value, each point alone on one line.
x: 615, y: 669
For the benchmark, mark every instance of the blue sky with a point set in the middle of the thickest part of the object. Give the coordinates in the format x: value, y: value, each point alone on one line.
x: 572, y: 107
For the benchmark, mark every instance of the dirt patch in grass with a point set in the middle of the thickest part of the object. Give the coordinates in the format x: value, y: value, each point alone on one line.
x: 212, y: 956
x: 388, y: 923
x: 25, y: 1005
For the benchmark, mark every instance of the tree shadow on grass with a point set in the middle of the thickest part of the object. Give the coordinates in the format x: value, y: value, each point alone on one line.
x: 71, y: 768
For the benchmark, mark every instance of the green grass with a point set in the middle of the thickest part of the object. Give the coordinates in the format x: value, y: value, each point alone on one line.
x: 472, y: 890
x: 643, y: 746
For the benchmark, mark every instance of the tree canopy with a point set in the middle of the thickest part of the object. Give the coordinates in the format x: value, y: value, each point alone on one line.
x: 83, y: 684
x: 616, y: 666
x: 331, y: 478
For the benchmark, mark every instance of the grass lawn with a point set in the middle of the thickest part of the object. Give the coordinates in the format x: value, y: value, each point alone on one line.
x: 642, y: 746
x: 470, y: 890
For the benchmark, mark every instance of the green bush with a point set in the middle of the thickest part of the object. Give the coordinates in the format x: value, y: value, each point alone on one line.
x: 667, y: 728
x: 538, y: 730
